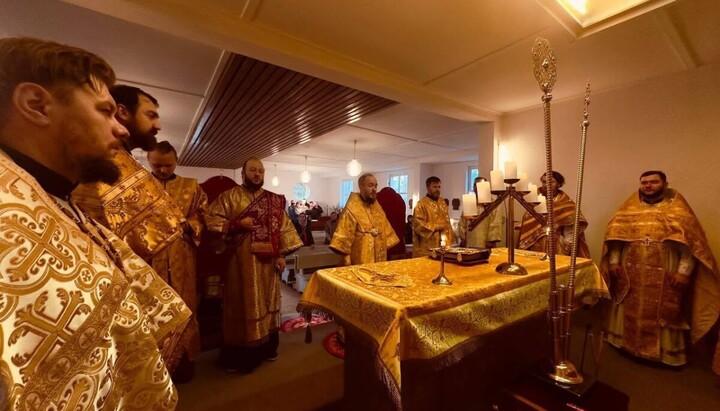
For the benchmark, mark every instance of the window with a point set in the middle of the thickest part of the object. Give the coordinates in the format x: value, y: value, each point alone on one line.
x: 345, y: 189
x: 472, y: 174
x: 399, y: 183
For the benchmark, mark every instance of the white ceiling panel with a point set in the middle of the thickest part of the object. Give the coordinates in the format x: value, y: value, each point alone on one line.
x: 697, y: 25
x: 405, y: 121
x: 615, y: 56
x: 366, y: 139
x: 421, y: 149
x: 419, y: 39
x: 463, y: 139
x: 137, y: 53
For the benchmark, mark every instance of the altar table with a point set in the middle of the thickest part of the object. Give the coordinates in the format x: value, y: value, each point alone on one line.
x: 436, y: 326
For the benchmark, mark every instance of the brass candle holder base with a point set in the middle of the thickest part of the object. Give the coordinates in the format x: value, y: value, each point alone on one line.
x: 511, y: 269
x: 441, y: 280
x: 566, y: 373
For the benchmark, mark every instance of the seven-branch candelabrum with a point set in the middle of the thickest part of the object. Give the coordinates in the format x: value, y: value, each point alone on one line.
x: 511, y: 194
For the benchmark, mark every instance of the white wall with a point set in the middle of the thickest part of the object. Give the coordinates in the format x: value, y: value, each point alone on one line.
x: 204, y: 173
x: 667, y: 123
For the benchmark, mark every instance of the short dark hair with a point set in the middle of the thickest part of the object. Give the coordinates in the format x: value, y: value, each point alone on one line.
x: 363, y: 177
x: 164, y: 147
x: 431, y: 180
x: 49, y: 64
x: 651, y: 172
x: 559, y: 179
x: 244, y: 165
x: 129, y: 96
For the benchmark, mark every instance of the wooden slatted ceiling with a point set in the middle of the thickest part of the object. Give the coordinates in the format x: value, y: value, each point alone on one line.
x: 258, y: 109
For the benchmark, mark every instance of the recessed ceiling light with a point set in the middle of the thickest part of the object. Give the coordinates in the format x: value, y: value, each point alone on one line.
x: 584, y: 17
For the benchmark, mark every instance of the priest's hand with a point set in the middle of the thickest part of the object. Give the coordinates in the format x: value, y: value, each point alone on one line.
x: 280, y: 264
x: 246, y: 224
x: 678, y: 280
x: 615, y: 270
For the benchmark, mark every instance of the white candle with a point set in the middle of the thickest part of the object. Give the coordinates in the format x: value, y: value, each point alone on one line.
x: 442, y: 241
x: 532, y: 196
x: 522, y: 185
x: 496, y: 180
x: 469, y: 204
x: 510, y: 169
x: 542, y: 207
x: 483, y: 191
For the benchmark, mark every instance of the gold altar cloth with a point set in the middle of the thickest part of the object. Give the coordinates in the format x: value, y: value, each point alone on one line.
x: 425, y: 321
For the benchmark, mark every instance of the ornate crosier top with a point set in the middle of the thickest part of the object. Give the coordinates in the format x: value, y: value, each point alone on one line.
x: 586, y: 114
x: 544, y: 65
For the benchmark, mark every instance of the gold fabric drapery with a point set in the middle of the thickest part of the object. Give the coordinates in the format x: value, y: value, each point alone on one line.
x: 426, y: 321
x: 532, y: 233
x: 429, y: 215
x: 175, y: 264
x: 251, y: 304
x: 78, y: 331
x: 671, y: 220
x: 136, y: 208
x: 363, y: 233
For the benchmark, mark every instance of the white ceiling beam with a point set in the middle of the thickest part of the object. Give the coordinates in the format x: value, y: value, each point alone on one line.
x: 195, y: 21
x: 680, y: 46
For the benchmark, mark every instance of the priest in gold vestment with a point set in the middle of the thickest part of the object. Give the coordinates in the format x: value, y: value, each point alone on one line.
x: 85, y: 324
x: 487, y: 233
x: 657, y: 261
x: 258, y: 234
x: 176, y: 263
x: 363, y: 234
x: 533, y: 235
x: 136, y: 208
x: 431, y: 221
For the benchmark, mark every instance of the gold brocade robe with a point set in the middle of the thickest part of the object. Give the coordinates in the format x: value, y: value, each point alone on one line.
x: 176, y: 263
x: 136, y: 208
x: 648, y: 316
x: 428, y: 218
x: 77, y: 332
x: 488, y: 231
x: 533, y: 236
x: 363, y: 234
x: 251, y: 300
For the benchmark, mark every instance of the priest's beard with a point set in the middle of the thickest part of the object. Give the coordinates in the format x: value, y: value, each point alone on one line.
x: 145, y: 140
x: 253, y: 186
x: 368, y: 199
x: 99, y: 169
x: 653, y: 198
x: 434, y: 197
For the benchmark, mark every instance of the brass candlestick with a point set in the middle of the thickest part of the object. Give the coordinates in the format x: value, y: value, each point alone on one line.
x: 441, y: 279
x: 511, y: 193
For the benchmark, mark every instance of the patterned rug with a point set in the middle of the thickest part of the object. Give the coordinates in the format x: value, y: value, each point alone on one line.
x: 333, y: 346
x: 299, y: 323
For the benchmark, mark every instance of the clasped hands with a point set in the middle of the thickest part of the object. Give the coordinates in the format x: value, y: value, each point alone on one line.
x: 245, y: 224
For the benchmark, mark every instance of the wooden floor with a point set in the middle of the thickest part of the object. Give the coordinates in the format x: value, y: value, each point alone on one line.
x: 290, y: 299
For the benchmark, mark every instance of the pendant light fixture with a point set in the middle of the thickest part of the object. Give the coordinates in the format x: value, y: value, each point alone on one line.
x: 275, y: 179
x: 354, y: 168
x: 305, y: 176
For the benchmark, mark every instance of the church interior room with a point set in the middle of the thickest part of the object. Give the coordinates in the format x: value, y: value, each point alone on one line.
x: 327, y: 97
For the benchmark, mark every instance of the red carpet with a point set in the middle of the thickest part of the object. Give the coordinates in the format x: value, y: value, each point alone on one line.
x: 334, y: 347
x: 298, y: 323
